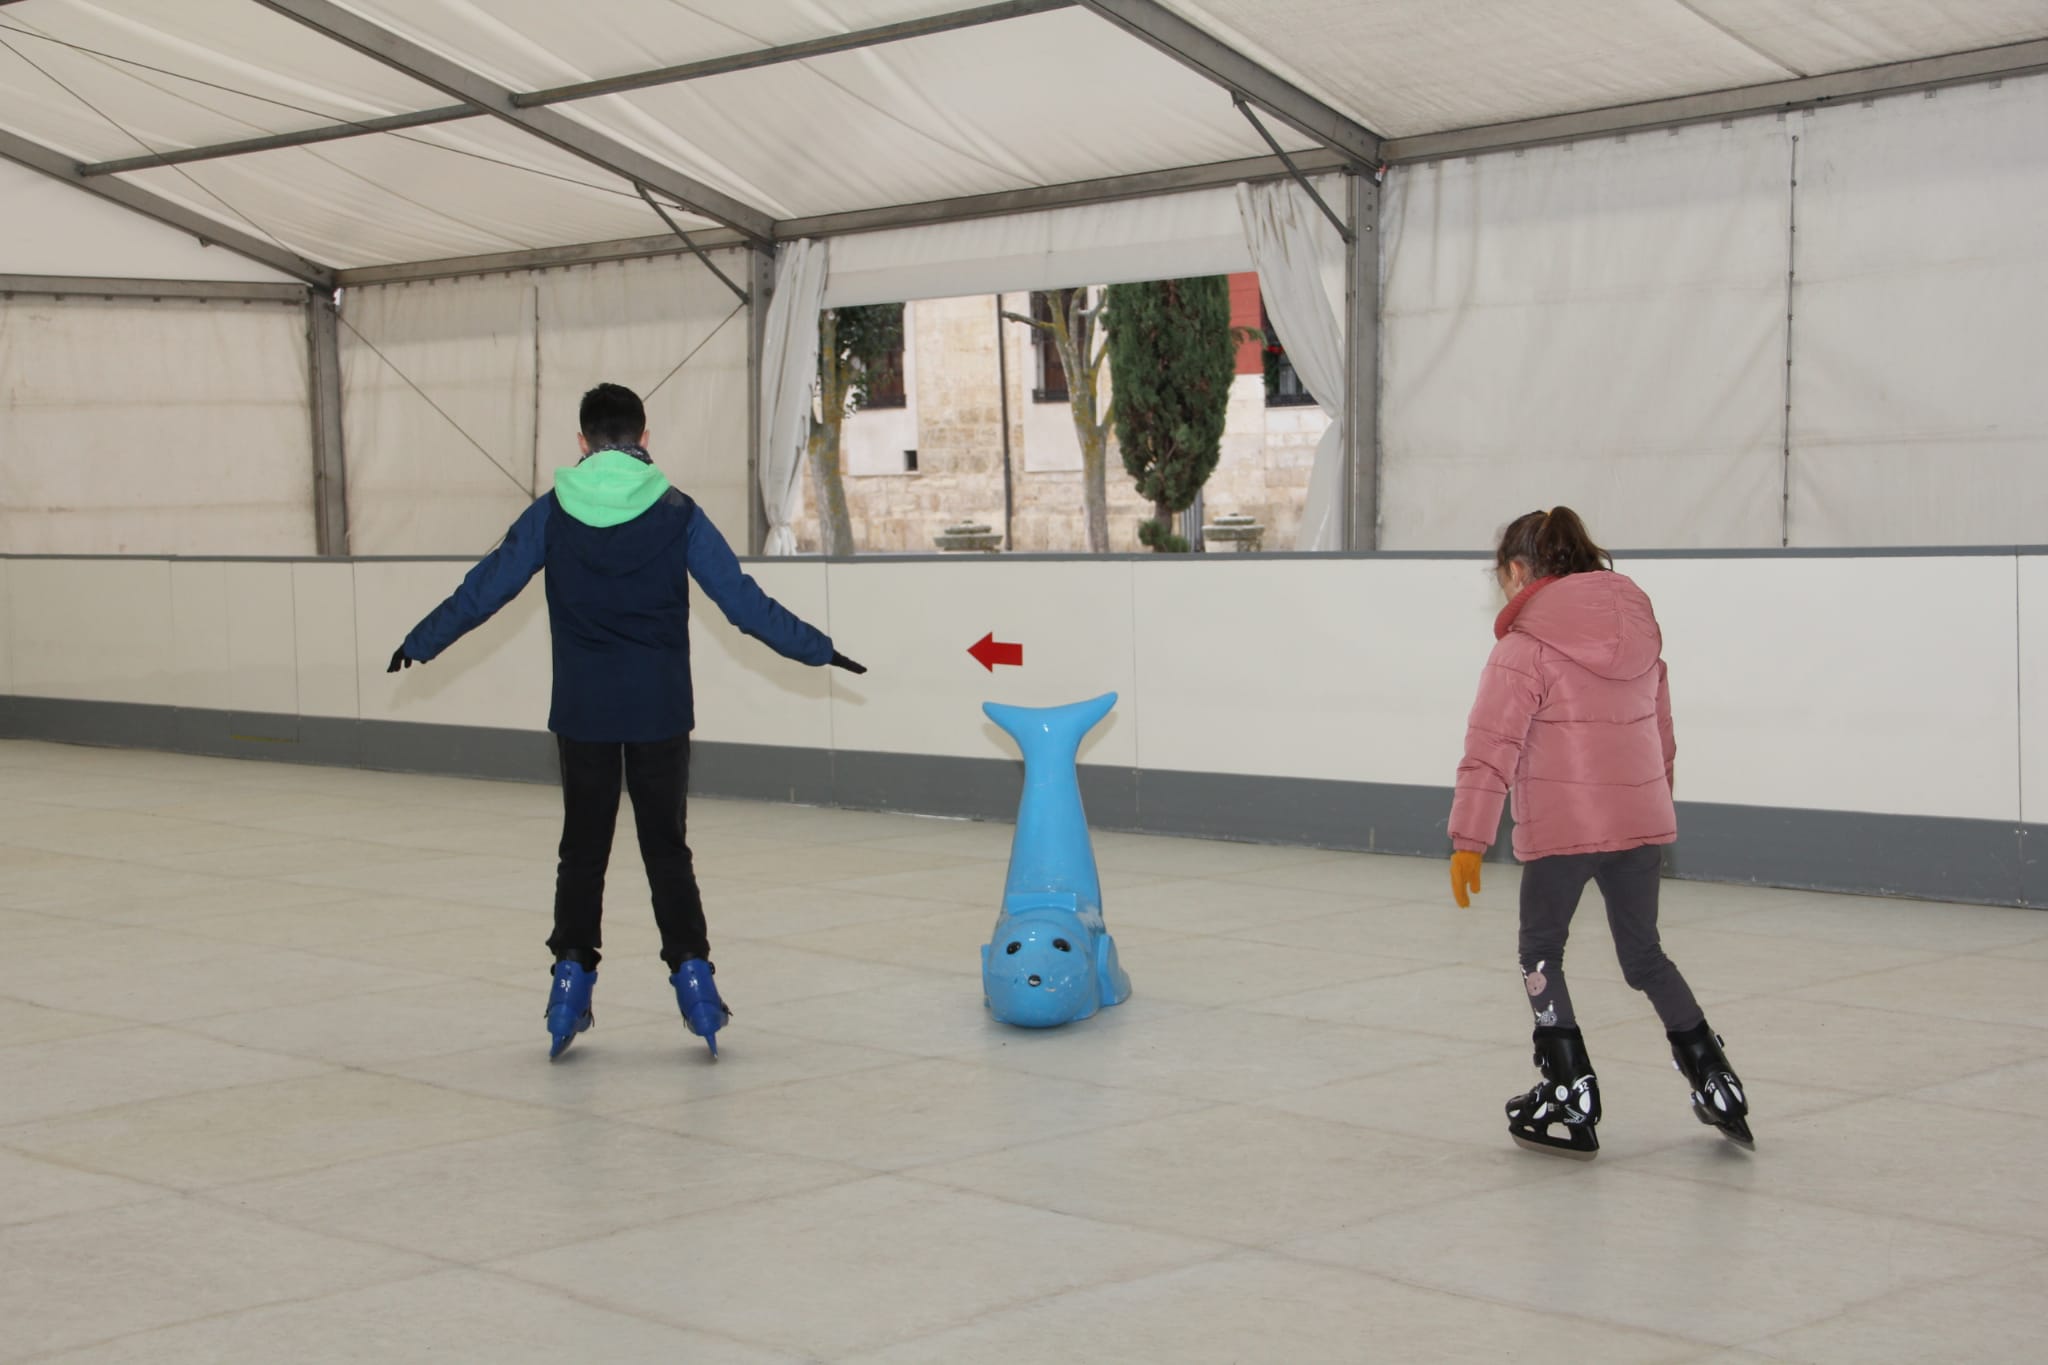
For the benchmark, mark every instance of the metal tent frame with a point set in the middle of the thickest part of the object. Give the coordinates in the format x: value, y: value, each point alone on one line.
x: 1342, y: 145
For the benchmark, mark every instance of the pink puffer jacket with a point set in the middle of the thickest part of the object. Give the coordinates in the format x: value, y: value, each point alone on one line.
x: 1574, y: 714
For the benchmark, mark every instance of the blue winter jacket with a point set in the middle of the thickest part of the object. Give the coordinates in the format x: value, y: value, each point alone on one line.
x: 618, y: 612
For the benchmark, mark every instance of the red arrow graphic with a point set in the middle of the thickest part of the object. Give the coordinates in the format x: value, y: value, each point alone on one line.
x: 988, y: 652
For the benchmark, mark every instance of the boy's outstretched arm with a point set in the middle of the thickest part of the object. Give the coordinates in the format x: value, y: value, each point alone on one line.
x: 717, y: 570
x: 496, y: 580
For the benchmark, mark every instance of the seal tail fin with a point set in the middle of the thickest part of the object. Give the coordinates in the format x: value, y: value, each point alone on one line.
x: 1052, y: 852
x: 1049, y: 735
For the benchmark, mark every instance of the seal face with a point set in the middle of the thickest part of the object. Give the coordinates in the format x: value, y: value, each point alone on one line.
x: 1039, y: 970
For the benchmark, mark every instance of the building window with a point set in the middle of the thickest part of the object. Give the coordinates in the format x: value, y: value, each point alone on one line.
x: 886, y: 390
x: 1052, y: 374
x: 1284, y: 388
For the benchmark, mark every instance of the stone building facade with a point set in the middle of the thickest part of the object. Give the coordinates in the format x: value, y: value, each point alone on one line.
x: 941, y: 458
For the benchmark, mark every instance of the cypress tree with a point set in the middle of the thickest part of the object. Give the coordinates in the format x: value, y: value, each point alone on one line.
x: 1172, y: 355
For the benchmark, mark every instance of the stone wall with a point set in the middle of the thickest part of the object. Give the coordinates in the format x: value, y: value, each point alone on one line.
x: 1263, y: 472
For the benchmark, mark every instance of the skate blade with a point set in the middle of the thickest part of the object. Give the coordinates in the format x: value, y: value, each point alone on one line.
x: 1545, y: 1149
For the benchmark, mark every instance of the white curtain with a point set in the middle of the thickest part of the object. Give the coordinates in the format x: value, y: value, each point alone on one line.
x: 789, y: 371
x: 1295, y: 247
x: 135, y: 427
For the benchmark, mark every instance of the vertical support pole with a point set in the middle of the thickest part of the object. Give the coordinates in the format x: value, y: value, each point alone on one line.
x: 1791, y: 301
x: 760, y: 285
x: 330, y: 464
x: 1361, y: 491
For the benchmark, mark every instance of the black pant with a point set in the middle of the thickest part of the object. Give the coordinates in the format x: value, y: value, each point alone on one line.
x: 1629, y: 882
x: 658, y: 778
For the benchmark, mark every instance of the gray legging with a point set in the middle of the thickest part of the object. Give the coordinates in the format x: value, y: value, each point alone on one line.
x: 1628, y: 881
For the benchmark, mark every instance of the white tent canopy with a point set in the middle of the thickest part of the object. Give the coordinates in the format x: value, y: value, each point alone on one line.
x: 951, y: 147
x: 1056, y: 94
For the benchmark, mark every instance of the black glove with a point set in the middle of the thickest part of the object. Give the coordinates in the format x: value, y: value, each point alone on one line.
x: 400, y: 659
x: 841, y: 661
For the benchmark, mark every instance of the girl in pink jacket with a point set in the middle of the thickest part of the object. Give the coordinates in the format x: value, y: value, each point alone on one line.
x: 1574, y: 717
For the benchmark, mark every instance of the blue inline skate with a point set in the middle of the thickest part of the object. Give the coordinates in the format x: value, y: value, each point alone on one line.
x: 697, y: 997
x: 569, y: 1005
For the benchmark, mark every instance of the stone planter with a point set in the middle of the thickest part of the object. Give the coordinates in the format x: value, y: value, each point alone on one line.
x: 969, y: 536
x: 1241, y: 531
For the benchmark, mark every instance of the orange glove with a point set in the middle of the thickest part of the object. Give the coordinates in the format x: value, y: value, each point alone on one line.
x: 1464, y: 877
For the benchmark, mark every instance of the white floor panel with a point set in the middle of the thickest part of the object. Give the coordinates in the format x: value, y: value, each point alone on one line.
x: 274, y: 1086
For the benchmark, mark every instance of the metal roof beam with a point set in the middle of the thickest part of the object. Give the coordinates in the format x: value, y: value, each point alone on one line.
x: 422, y: 64
x: 1868, y: 82
x: 539, y: 258
x: 1211, y: 57
x: 611, y: 85
x: 1105, y: 191
x: 793, y: 52
x: 58, y: 166
x: 108, y: 287
x: 389, y: 123
x: 1109, y: 190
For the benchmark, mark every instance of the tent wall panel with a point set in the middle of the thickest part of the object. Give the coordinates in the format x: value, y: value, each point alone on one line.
x: 1601, y: 324
x: 460, y: 396
x: 154, y: 427
x: 1919, y: 415
x: 1161, y: 237
x: 632, y: 323
x: 437, y: 413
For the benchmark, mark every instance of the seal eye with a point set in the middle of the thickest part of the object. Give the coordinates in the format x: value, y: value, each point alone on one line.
x: 1061, y: 944
x: 1013, y: 947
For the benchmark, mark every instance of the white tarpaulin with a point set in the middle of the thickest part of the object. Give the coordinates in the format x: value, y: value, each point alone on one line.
x: 634, y: 323
x: 1920, y: 327
x: 1600, y: 325
x: 52, y: 229
x: 438, y: 413
x: 1404, y: 68
x: 1038, y: 100
x: 136, y: 427
x: 448, y: 436
x: 1167, y: 237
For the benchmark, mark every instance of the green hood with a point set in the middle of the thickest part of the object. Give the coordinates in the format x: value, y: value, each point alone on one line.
x: 609, y: 487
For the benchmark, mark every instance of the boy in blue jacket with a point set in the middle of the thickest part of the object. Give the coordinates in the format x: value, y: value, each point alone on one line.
x: 617, y: 541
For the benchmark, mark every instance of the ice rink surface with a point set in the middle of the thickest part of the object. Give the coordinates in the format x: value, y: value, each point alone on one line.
x: 273, y: 1086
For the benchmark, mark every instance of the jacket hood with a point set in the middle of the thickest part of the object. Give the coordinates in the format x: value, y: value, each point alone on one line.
x: 609, y: 487
x: 1601, y: 621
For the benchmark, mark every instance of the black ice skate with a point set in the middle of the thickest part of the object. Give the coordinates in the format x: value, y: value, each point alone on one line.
x: 1716, y: 1090
x: 1558, y: 1116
